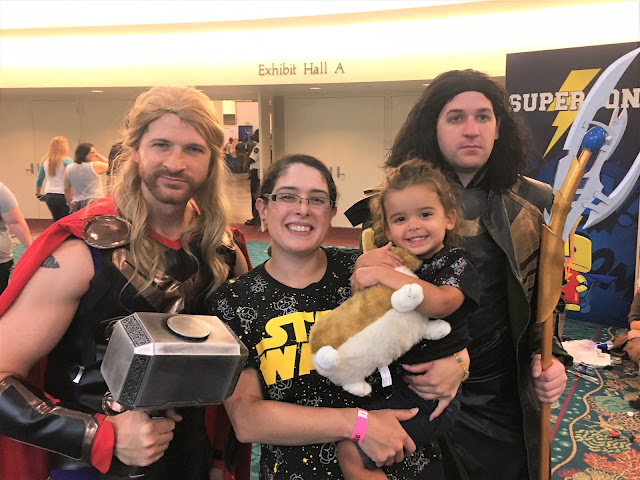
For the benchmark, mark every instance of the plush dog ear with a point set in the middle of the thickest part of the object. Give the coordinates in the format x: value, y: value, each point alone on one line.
x: 367, y: 240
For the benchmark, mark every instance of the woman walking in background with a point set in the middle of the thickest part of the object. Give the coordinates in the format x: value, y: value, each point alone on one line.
x: 82, y: 182
x: 52, y: 167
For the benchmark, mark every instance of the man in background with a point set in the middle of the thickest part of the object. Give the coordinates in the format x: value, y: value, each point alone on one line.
x: 254, y: 178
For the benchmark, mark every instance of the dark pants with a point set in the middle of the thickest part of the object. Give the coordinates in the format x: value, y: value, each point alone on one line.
x: 254, y: 185
x: 5, y: 271
x: 491, y: 421
x: 423, y: 432
x: 57, y: 204
x: 75, y: 206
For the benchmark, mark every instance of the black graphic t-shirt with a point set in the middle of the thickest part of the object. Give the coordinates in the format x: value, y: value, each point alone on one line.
x: 450, y: 266
x: 274, y: 321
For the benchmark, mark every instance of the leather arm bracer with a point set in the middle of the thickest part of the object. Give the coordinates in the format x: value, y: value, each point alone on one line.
x: 28, y: 416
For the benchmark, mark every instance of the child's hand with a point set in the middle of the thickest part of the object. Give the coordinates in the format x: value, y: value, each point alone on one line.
x: 366, y: 277
x: 378, y: 257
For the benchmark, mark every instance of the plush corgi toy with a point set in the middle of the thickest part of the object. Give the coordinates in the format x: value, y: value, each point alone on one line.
x: 372, y: 329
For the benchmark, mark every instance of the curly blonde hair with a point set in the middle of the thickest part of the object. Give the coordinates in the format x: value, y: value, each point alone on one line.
x: 196, y: 109
x: 415, y: 171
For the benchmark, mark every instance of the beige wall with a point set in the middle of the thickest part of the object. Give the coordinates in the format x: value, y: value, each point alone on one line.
x: 27, y: 126
x: 350, y: 132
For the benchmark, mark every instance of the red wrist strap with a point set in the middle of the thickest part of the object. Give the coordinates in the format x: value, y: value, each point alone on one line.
x: 361, y: 425
x: 103, y: 444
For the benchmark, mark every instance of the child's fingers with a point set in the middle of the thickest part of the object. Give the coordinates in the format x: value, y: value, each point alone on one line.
x: 442, y: 404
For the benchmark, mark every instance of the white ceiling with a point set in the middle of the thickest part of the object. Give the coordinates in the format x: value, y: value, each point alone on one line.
x: 18, y: 14
x: 36, y: 14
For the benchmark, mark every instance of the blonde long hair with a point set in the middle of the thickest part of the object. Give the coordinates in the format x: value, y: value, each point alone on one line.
x: 58, y: 151
x: 196, y: 109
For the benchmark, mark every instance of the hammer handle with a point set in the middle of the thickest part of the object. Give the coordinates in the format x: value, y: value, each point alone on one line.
x: 140, y: 472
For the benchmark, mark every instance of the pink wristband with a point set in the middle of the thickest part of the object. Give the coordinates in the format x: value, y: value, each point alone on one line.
x: 361, y: 426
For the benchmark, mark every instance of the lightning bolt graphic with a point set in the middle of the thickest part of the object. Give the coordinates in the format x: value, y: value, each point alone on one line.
x: 577, y: 80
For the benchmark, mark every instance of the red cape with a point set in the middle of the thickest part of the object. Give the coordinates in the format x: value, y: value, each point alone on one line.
x: 19, y: 461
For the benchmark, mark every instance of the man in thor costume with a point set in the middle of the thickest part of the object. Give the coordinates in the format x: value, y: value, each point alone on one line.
x: 159, y: 244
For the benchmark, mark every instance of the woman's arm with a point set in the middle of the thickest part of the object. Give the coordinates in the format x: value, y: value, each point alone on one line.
x: 68, y: 191
x: 256, y: 420
x: 100, y: 165
x: 40, y: 179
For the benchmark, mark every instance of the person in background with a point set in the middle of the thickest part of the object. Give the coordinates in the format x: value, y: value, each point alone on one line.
x: 52, y: 168
x: 254, y: 178
x: 158, y: 244
x: 464, y: 122
x: 281, y: 401
x: 241, y: 155
x: 228, y: 149
x: 11, y: 221
x: 82, y: 182
x: 629, y: 342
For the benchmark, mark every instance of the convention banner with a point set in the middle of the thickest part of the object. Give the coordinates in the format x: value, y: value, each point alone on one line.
x: 561, y: 94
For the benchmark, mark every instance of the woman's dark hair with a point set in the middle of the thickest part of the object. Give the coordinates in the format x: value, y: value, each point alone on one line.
x: 279, y: 168
x: 82, y: 151
x: 418, y: 136
x: 415, y: 171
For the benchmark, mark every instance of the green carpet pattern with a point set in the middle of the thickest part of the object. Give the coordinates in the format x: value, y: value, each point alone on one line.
x: 594, y: 431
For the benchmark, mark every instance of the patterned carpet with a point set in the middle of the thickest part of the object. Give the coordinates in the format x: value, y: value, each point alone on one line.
x: 593, y: 435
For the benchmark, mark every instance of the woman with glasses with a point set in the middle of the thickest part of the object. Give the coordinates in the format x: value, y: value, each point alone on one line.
x: 272, y: 309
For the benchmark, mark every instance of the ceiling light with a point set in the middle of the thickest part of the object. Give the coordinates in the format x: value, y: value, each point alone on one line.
x: 315, y: 88
x: 96, y: 91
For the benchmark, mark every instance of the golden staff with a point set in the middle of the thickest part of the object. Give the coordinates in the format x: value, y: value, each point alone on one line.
x: 551, y: 267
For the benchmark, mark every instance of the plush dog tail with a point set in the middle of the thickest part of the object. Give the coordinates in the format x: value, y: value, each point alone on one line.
x: 368, y: 242
x: 326, y: 358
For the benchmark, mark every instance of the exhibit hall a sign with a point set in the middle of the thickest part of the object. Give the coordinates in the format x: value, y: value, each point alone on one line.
x: 561, y: 94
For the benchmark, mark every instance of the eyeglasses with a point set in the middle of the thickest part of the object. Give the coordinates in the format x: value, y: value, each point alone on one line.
x: 316, y: 203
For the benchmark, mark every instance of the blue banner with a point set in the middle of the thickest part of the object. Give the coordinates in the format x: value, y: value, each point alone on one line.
x: 560, y: 94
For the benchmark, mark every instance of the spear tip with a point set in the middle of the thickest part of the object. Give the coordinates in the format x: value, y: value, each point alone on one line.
x: 594, y: 139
